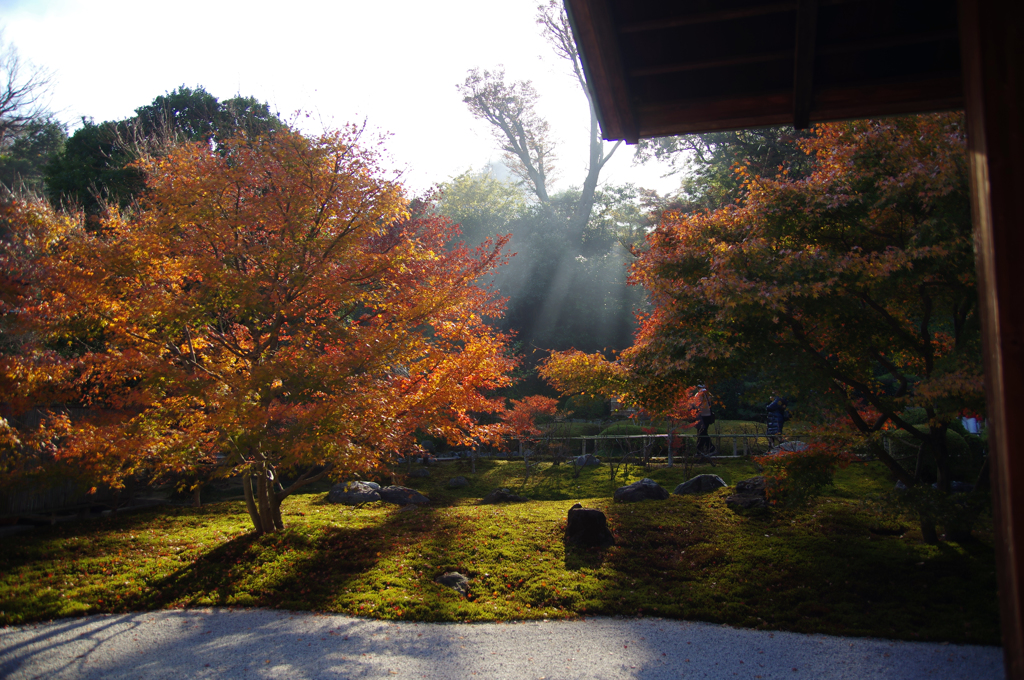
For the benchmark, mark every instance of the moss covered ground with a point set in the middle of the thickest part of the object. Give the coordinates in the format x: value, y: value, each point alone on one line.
x: 840, y: 566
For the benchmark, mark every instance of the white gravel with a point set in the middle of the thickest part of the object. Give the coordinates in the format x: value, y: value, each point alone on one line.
x: 224, y: 643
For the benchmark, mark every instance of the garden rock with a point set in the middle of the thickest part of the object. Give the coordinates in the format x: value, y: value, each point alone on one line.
x: 354, y: 493
x: 790, y: 446
x: 700, y: 484
x: 455, y: 581
x: 402, y: 495
x: 457, y: 482
x: 749, y: 496
x: 420, y: 472
x: 587, y: 460
x: 587, y: 527
x: 640, y: 491
x: 501, y: 496
x: 755, y: 485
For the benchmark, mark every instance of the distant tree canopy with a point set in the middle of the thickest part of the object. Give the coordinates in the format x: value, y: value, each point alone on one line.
x: 510, y: 109
x: 563, y: 291
x: 710, y: 161
x: 23, y: 159
x: 29, y: 134
x: 93, y: 167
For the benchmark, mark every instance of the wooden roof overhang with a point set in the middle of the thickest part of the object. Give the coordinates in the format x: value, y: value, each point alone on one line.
x: 657, y: 68
x: 665, y: 68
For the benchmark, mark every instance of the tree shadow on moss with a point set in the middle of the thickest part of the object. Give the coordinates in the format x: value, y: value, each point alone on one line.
x: 292, y: 567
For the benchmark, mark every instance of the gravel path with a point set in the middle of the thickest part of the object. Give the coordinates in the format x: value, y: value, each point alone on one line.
x: 222, y: 643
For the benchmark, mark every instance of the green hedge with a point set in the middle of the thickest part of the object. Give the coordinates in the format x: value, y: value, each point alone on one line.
x: 622, y: 428
x: 572, y: 429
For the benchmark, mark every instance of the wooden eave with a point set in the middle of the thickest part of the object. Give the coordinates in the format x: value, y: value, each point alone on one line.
x: 663, y: 68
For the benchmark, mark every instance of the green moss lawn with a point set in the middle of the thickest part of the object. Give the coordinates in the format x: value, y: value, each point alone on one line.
x: 839, y: 566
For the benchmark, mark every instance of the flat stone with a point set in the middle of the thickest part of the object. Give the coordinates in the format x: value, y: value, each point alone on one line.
x: 455, y: 581
x: 354, y: 493
x: 700, y: 484
x: 749, y: 496
x: 645, y: 489
x: 746, y: 502
x: 502, y: 496
x: 752, y: 485
x: 402, y: 495
x: 588, y: 460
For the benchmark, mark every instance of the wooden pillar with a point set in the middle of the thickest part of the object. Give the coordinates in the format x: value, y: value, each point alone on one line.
x: 992, y: 50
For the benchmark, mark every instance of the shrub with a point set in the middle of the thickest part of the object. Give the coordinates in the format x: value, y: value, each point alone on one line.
x: 958, y: 513
x: 572, y: 429
x: 622, y: 428
x: 964, y: 460
x: 915, y: 416
x: 794, y: 477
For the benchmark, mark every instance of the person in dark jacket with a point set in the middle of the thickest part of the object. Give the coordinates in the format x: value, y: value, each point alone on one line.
x: 776, y: 418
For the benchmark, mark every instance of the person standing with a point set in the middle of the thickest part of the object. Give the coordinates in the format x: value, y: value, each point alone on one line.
x: 776, y: 418
x: 707, y: 416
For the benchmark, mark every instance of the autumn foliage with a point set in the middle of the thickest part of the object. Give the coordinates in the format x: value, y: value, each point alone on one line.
x: 851, y: 288
x: 793, y: 477
x: 521, y: 418
x: 272, y: 309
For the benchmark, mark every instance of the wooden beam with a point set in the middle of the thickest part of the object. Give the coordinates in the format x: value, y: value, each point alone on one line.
x: 803, y: 62
x: 737, y: 60
x: 594, y: 31
x: 686, y: 116
x: 899, y: 40
x: 716, y: 16
x: 992, y: 52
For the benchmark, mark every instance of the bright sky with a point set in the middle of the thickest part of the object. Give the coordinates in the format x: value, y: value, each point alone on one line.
x: 394, y: 64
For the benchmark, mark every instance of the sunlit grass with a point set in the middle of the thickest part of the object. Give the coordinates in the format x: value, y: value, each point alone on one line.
x: 836, y: 567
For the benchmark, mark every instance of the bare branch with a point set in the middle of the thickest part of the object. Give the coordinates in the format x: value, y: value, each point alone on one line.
x: 24, y: 93
x: 522, y: 134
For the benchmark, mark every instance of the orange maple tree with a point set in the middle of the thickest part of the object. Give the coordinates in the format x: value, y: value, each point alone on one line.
x: 852, y: 288
x: 273, y: 308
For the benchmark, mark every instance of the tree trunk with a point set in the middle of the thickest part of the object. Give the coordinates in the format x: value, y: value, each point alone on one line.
x: 196, y: 500
x: 263, y: 488
x: 250, y: 504
x: 584, y: 207
x: 931, y: 536
x: 275, y: 506
x: 941, y: 455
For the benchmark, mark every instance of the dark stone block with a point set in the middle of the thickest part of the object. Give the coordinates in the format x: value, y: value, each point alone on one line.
x: 645, y: 489
x: 401, y: 495
x: 587, y: 527
x: 700, y: 484
x: 354, y: 493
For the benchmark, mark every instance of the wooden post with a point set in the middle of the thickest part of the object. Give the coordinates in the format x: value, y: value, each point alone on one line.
x: 992, y: 57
